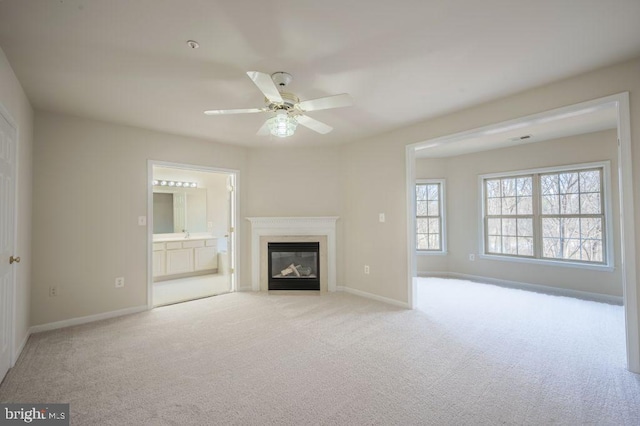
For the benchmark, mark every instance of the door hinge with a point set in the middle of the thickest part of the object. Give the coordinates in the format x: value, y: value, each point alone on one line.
x: 232, y: 270
x: 232, y: 229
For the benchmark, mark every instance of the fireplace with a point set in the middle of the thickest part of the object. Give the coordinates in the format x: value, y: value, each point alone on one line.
x: 294, y: 265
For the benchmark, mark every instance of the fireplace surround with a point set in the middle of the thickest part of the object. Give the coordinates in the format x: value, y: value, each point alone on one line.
x: 321, y: 230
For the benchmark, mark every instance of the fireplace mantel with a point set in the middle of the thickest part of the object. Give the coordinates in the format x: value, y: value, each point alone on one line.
x: 291, y: 227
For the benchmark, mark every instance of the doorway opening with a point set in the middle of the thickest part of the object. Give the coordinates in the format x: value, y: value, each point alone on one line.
x: 192, y: 213
x: 608, y: 114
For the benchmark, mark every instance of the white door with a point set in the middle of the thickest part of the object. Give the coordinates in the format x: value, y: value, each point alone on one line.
x: 7, y: 214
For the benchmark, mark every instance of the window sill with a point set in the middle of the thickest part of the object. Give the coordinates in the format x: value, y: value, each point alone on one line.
x: 545, y: 262
x: 431, y: 253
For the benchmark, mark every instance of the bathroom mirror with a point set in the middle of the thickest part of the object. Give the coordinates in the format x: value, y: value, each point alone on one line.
x: 179, y: 210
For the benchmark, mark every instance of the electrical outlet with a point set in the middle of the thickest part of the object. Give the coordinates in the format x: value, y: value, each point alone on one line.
x: 142, y: 221
x: 53, y: 291
x: 472, y: 257
x: 366, y: 269
x: 119, y: 282
x: 381, y: 217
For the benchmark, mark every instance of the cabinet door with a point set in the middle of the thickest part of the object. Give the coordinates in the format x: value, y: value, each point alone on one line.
x: 206, y: 258
x: 158, y: 263
x: 179, y: 261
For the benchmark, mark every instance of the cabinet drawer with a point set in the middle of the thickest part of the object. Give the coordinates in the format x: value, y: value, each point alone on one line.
x: 193, y: 244
x: 158, y: 246
x: 174, y: 245
x: 212, y: 243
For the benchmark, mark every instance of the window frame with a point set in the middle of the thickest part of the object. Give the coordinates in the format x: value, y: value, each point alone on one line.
x: 443, y: 221
x: 607, y: 231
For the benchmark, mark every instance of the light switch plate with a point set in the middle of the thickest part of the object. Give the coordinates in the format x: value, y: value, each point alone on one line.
x: 142, y: 220
x: 381, y: 217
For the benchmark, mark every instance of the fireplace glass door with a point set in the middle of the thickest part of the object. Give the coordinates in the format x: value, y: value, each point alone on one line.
x: 294, y: 266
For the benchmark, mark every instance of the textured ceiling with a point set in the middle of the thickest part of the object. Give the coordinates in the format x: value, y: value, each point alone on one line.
x: 127, y: 61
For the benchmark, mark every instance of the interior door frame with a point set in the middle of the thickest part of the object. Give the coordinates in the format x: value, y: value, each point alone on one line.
x: 627, y: 212
x: 235, y: 274
x: 13, y: 356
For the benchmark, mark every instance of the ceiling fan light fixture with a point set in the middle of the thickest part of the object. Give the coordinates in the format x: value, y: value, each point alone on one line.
x: 282, y: 125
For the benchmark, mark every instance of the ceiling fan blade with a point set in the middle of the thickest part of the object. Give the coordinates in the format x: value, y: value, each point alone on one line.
x: 313, y: 124
x: 335, y: 101
x: 264, y: 130
x: 234, y: 111
x: 266, y: 85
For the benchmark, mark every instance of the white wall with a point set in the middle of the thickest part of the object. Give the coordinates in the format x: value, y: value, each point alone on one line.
x: 90, y: 186
x: 297, y: 181
x: 462, y: 173
x: 14, y: 100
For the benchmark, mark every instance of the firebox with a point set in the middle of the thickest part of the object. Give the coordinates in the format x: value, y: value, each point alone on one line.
x: 294, y: 266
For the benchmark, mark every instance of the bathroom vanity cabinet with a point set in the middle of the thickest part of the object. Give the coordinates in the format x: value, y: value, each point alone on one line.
x: 184, y: 257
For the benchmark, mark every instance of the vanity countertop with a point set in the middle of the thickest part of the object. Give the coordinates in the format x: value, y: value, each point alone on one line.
x: 159, y: 238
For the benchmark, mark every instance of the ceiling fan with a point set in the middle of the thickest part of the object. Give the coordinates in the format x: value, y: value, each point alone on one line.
x: 289, y: 110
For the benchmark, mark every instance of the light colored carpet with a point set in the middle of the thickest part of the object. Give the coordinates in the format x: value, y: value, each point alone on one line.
x: 476, y: 355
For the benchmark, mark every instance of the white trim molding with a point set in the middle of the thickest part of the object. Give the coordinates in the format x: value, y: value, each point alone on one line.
x: 375, y: 297
x: 84, y: 320
x: 293, y: 226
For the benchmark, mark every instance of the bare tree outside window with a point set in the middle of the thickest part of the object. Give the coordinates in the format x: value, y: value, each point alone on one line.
x: 561, y: 211
x: 429, y: 216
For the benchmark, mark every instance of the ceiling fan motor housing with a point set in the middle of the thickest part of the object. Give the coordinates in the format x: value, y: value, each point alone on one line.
x: 281, y: 78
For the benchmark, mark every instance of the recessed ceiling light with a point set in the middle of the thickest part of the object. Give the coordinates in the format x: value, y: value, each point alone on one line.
x: 193, y: 44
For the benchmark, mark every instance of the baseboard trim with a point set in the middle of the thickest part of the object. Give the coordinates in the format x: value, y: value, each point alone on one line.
x: 538, y: 288
x: 246, y: 288
x: 20, y: 348
x: 84, y: 320
x: 373, y: 296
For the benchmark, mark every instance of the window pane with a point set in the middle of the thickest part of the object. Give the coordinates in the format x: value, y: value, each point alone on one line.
x: 509, y: 245
x: 509, y: 227
x: 525, y: 227
x: 590, y: 203
x: 493, y: 188
x: 434, y: 241
x: 550, y: 204
x: 570, y: 228
x: 525, y: 246
x: 570, y: 204
x: 524, y: 186
x: 568, y: 183
x: 422, y: 226
x: 590, y: 181
x: 495, y: 245
x: 571, y: 249
x: 434, y: 226
x: 421, y: 192
x: 549, y: 184
x: 494, y: 206
x: 551, y: 248
x: 422, y: 242
x: 592, y: 250
x: 421, y: 208
x: 433, y: 208
x: 509, y: 205
x: 591, y: 228
x: 524, y: 205
x: 433, y: 192
x: 551, y: 227
x: 508, y: 187
x: 494, y: 226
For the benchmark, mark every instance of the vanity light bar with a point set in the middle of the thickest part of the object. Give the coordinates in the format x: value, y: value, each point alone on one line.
x: 174, y: 183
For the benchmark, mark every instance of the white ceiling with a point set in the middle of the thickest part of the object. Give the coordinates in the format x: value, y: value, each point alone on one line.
x: 127, y: 61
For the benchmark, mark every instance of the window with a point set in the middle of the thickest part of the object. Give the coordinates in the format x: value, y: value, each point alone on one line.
x: 549, y: 214
x: 430, y: 216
